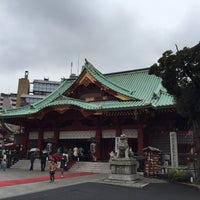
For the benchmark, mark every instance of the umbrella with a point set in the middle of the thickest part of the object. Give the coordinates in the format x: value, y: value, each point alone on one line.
x: 34, y: 150
x: 44, y: 151
x: 8, y: 144
x: 56, y: 157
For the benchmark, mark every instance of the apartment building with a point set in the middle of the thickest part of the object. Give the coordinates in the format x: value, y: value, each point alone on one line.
x: 7, y: 101
x: 31, y: 92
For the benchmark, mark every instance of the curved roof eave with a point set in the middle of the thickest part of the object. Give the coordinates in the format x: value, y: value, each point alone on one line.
x: 7, y: 127
x: 36, y: 107
x: 164, y: 100
x: 99, y: 106
x: 97, y: 75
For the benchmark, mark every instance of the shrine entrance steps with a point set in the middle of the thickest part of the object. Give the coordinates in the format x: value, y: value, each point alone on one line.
x: 82, y: 166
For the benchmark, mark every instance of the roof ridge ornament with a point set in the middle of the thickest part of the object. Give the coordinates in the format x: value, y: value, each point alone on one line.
x: 86, y: 62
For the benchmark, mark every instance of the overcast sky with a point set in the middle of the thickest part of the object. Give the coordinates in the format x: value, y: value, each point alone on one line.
x: 45, y: 36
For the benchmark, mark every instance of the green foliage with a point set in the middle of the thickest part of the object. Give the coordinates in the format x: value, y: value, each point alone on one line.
x: 180, y: 73
x: 179, y: 176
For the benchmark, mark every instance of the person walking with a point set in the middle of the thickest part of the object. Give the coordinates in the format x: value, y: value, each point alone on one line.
x: 63, y: 161
x: 4, y: 161
x: 52, y: 170
x: 32, y: 159
x: 43, y: 160
x: 75, y: 153
x: 112, y: 155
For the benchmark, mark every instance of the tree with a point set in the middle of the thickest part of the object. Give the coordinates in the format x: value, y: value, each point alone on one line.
x: 180, y: 73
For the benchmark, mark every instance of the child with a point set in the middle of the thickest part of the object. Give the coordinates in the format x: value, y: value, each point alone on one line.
x: 4, y: 164
x: 52, y: 169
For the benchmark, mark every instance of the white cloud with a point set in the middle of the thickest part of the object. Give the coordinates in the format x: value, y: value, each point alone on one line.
x: 45, y: 36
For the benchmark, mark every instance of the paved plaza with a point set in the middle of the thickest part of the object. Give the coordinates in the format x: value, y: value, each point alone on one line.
x: 89, y: 186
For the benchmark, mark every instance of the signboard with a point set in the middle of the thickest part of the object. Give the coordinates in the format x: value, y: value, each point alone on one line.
x: 116, y: 143
x: 174, y: 149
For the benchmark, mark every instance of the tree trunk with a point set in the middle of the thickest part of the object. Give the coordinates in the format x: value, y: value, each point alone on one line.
x: 196, y: 130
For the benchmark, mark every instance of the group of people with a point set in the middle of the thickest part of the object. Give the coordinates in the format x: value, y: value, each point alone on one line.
x: 9, y: 156
x: 62, y: 158
x: 53, y: 164
x: 53, y: 167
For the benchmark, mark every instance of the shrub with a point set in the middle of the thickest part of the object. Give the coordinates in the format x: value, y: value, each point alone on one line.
x: 179, y: 176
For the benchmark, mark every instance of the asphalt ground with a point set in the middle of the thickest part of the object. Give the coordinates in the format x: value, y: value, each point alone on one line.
x: 93, y: 186
x: 99, y: 191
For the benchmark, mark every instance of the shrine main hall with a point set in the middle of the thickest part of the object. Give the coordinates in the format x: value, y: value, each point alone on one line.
x: 96, y: 107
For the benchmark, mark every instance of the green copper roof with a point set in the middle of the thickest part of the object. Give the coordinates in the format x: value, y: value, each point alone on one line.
x: 139, y: 83
x: 145, y: 91
x: 34, y: 108
x: 108, y: 82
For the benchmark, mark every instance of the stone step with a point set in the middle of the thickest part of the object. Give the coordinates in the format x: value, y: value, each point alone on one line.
x: 96, y: 167
x: 25, y: 164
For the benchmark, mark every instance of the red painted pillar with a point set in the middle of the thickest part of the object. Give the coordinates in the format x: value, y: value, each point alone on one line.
x: 55, y: 140
x: 140, y: 141
x: 25, y: 138
x: 118, y: 133
x: 98, y: 140
x: 98, y: 143
x: 118, y: 128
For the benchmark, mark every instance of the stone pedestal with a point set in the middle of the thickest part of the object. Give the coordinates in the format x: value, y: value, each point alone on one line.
x: 123, y: 169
